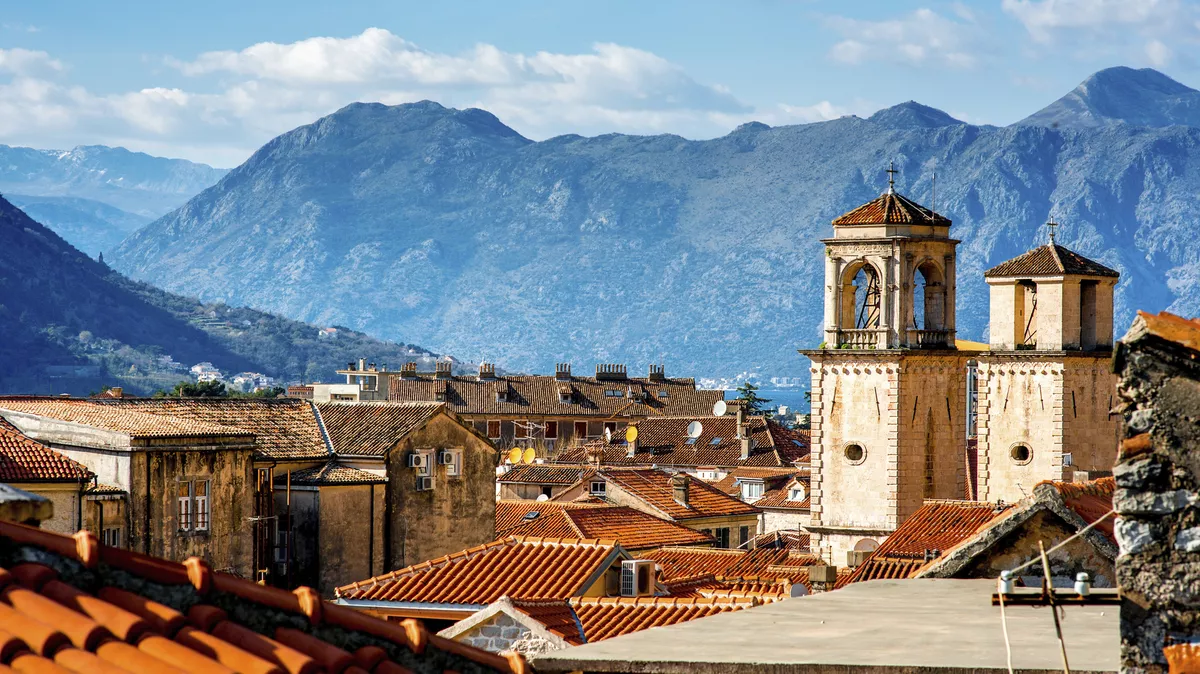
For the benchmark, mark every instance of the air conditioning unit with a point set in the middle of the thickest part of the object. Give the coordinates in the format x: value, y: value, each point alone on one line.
x: 424, y: 483
x: 856, y: 558
x: 637, y: 578
x: 445, y: 457
x: 418, y: 460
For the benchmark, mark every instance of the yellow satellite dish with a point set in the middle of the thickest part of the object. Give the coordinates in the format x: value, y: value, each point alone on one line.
x: 514, y: 455
x: 631, y: 434
x: 529, y: 455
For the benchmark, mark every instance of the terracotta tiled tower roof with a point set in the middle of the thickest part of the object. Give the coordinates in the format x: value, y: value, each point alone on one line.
x: 891, y: 208
x: 1050, y: 260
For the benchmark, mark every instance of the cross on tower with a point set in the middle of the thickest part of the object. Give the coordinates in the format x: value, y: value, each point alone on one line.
x: 1051, y: 226
x: 891, y: 171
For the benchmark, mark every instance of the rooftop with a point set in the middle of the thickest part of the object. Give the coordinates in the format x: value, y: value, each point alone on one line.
x: 1050, y: 260
x: 536, y: 473
x: 664, y: 441
x: 372, y: 428
x: 23, y: 459
x: 93, y: 608
x: 330, y: 473
x: 118, y: 416
x: 891, y: 208
x: 1165, y: 327
x: 511, y: 512
x: 633, y: 529
x: 654, y: 488
x: 516, y: 567
x: 905, y: 630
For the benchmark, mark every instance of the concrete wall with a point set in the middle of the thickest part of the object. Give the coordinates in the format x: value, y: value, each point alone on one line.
x: 154, y: 520
x: 457, y: 513
x: 1158, y: 479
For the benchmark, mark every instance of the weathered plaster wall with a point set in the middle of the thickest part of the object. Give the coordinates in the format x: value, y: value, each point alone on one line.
x: 458, y: 513
x: 1158, y: 479
x: 783, y: 520
x: 65, y: 497
x: 107, y: 513
x: 348, y: 535
x: 227, y: 545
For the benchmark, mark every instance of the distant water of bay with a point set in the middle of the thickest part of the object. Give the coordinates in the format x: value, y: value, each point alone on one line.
x: 792, y: 397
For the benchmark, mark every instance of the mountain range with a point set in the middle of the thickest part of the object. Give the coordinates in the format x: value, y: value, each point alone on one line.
x: 95, y: 196
x: 447, y: 228
x: 69, y: 324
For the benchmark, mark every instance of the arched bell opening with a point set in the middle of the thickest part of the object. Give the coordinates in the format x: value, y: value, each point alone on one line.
x: 861, y: 315
x: 928, y: 326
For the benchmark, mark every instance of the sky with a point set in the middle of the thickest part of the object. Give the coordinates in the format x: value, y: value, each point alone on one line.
x: 213, y: 81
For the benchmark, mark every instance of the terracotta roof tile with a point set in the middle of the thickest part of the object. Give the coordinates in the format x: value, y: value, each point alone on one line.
x: 113, y: 415
x: 556, y: 615
x: 663, y: 441
x: 604, y: 617
x: 891, y: 208
x: 511, y: 513
x: 780, y: 497
x: 680, y: 562
x: 632, y: 529
x: 23, y: 459
x: 1050, y: 260
x: 535, y: 473
x: 653, y: 487
x: 937, y: 525
x: 537, y: 395
x: 372, y: 428
x: 331, y: 473
x: 122, y: 611
x: 1091, y: 500
x: 797, y: 541
x: 1167, y: 327
x: 517, y: 567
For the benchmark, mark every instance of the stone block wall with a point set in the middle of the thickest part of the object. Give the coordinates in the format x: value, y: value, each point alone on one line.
x: 501, y: 633
x: 1158, y: 483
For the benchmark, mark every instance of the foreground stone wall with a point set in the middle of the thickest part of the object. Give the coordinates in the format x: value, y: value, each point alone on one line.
x: 1158, y: 480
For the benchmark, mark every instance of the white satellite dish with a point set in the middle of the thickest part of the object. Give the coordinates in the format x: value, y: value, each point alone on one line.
x: 608, y: 435
x: 543, y: 497
x: 695, y: 429
x: 720, y: 408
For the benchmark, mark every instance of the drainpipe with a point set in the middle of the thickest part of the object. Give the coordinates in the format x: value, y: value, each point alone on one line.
x: 371, y: 533
x: 146, y: 534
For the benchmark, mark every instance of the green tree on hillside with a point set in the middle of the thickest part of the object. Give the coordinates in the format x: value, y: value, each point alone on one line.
x: 751, y: 403
x: 188, y: 389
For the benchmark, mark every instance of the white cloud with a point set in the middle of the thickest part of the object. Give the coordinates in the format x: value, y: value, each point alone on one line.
x: 1158, y: 53
x: 1043, y: 17
x: 920, y: 38
x: 234, y: 101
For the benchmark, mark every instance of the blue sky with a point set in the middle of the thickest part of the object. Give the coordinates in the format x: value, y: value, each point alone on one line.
x: 213, y: 81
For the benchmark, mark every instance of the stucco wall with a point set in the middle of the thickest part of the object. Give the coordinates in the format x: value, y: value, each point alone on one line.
x: 348, y: 535
x: 65, y: 498
x: 227, y: 544
x: 457, y: 513
x: 107, y: 513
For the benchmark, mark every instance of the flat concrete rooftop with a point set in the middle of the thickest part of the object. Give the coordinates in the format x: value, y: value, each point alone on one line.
x: 910, y: 626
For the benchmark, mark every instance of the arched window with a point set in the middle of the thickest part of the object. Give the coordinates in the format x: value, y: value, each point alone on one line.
x: 860, y: 300
x: 866, y: 545
x: 929, y: 297
x: 866, y: 298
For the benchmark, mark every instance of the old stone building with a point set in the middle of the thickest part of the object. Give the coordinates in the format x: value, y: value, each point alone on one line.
x: 543, y: 412
x: 904, y: 412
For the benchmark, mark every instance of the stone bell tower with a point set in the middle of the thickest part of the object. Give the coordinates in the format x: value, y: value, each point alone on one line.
x: 888, y: 403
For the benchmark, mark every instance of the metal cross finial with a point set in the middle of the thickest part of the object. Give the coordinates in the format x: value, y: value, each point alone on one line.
x: 1052, y: 225
x: 891, y: 171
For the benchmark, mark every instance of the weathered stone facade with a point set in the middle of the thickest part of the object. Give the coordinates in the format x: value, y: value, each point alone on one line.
x: 1158, y: 479
x: 501, y: 632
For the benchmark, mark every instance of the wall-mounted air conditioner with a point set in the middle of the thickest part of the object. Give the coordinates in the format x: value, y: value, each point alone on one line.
x: 637, y: 578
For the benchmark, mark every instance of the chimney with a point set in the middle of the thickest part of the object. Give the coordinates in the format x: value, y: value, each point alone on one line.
x: 631, y: 448
x: 372, y: 367
x: 562, y: 371
x: 656, y: 373
x: 442, y: 369
x: 679, y: 485
x: 746, y: 442
x: 362, y: 363
x: 350, y: 365
x: 116, y: 392
x: 487, y: 371
x: 408, y: 370
x: 822, y: 578
x: 611, y: 372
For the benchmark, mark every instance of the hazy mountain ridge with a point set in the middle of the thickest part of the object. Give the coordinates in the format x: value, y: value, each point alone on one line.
x: 446, y: 228
x: 1123, y: 95
x: 70, y: 324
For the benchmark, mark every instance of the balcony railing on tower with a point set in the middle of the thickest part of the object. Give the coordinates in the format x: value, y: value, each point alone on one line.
x: 862, y: 338
x: 928, y: 339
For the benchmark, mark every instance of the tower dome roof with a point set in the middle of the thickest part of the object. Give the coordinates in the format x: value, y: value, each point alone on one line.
x: 892, y: 208
x: 1050, y: 260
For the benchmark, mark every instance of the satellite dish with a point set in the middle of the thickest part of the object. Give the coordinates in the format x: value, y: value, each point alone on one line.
x: 720, y: 408
x: 608, y: 435
x: 529, y: 455
x: 543, y: 497
x: 631, y: 433
x: 695, y: 429
x: 514, y: 455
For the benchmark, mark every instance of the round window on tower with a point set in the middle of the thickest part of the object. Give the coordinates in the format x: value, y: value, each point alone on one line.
x: 854, y: 453
x: 1020, y: 453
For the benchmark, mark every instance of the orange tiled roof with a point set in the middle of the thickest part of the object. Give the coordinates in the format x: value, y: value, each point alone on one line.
x: 1050, y: 260
x: 679, y: 562
x: 114, y: 415
x: 780, y: 497
x: 511, y: 513
x: 330, y: 473
x: 89, y: 608
x: 538, y: 395
x: 632, y: 529
x: 23, y: 459
x: 938, y: 525
x: 372, y: 428
x: 581, y: 620
x: 1168, y: 327
x: 664, y: 441
x: 891, y: 208
x: 1091, y: 500
x: 540, y: 473
x: 797, y: 541
x: 517, y: 567
x: 653, y: 487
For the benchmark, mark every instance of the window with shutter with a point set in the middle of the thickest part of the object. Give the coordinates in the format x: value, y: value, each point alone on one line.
x: 185, y: 506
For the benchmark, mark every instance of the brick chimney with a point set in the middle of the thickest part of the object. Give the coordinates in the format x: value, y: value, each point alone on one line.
x: 656, y: 373
x: 611, y: 372
x: 443, y: 369
x: 679, y: 486
x: 487, y: 371
x: 562, y: 371
x: 408, y: 370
